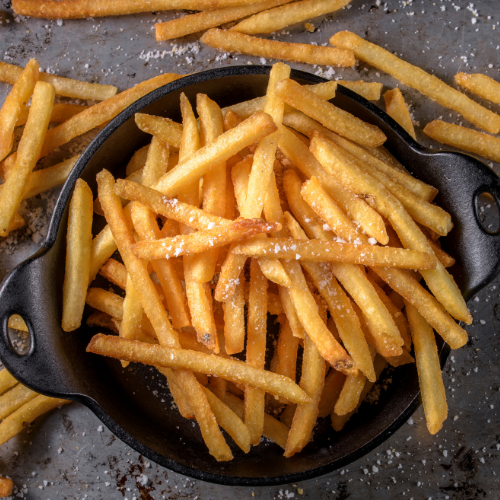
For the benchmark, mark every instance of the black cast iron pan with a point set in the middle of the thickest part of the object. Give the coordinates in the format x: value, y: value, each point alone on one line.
x: 57, y: 364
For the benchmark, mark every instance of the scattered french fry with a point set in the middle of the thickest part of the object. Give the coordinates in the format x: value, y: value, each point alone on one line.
x: 14, y: 399
x: 482, y: 85
x: 6, y: 487
x: 396, y: 108
x: 6, y: 381
x: 60, y: 111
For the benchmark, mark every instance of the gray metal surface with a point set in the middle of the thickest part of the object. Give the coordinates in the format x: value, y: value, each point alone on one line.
x: 68, y: 454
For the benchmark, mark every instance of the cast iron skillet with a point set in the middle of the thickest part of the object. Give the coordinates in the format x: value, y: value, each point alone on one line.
x: 57, y: 364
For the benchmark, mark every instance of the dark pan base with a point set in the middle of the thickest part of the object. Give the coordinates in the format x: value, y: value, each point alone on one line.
x: 57, y: 364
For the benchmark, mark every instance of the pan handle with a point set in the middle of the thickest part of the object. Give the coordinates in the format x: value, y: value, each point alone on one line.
x: 20, y: 293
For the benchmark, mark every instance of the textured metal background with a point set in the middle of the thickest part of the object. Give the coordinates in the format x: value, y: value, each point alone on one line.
x: 68, y: 454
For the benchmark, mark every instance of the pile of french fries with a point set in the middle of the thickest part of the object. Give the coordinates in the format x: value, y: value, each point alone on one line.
x: 294, y: 208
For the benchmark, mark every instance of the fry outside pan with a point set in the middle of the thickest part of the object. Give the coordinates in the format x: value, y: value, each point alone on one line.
x: 57, y: 364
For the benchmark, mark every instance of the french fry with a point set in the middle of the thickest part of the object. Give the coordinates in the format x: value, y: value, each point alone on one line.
x: 202, y: 316
x: 18, y: 97
x: 229, y: 369
x: 234, y: 319
x: 24, y: 415
x: 210, y: 19
x: 396, y: 108
x: 221, y: 149
x: 6, y: 381
x: 481, y: 85
x: 115, y: 272
x: 438, y: 280
x: 369, y: 220
x: 14, y: 399
x: 153, y: 307
x: 256, y: 350
x: 426, y: 304
x: 229, y: 421
x: 417, y: 78
x: 60, y: 111
x: 263, y: 160
x: 67, y: 87
x: 232, y: 41
x: 330, y: 116
x: 6, y: 487
x: 464, y: 138
x: 137, y: 161
x: 312, y: 381
x: 27, y: 154
x: 274, y: 430
x: 79, y: 244
x: 445, y: 259
x: 286, y: 351
x: 350, y: 394
x: 281, y: 17
x: 429, y: 370
x: 330, y: 251
x: 334, y: 382
x: 16, y: 322
x: 81, y: 9
x: 345, y: 317
x: 107, y: 302
x: 403, y: 359
x: 369, y: 90
x: 132, y: 314
x: 98, y: 319
x: 168, y: 131
x: 291, y: 314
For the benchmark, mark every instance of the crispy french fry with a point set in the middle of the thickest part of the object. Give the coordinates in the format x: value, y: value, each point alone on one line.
x: 60, y: 111
x: 107, y: 302
x: 202, y: 316
x: 438, y: 280
x: 6, y: 381
x: 234, y: 319
x: 67, y: 87
x: 16, y: 322
x: 232, y: 41
x: 334, y: 382
x: 481, y: 85
x: 369, y: 90
x: 115, y: 272
x: 429, y: 370
x: 27, y: 154
x: 274, y: 430
x: 168, y: 131
x: 132, y: 314
x: 291, y: 314
x: 426, y: 304
x: 98, y: 319
x: 18, y: 97
x: 24, y: 415
x: 464, y: 138
x: 329, y: 251
x: 79, y: 244
x: 417, y: 78
x: 263, y: 160
x: 350, y: 394
x: 81, y: 9
x: 281, y: 17
x: 396, y: 108
x: 6, y: 487
x: 369, y: 220
x: 210, y: 19
x: 312, y: 381
x: 230, y: 369
x: 286, y: 350
x: 330, y: 116
x: 445, y: 259
x: 137, y: 161
x: 403, y: 359
x: 14, y: 399
x: 256, y: 350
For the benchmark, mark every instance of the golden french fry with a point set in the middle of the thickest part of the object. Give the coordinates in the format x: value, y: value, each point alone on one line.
x: 312, y: 381
x: 263, y: 160
x: 232, y: 41
x: 330, y: 116
x: 168, y: 131
x: 79, y: 244
x: 445, y: 259
x: 6, y: 381
x: 221, y: 149
x: 229, y: 369
x: 137, y: 161
x: 105, y: 301
x: 350, y: 394
x: 14, y: 399
x: 274, y: 430
x: 11, y: 110
x: 298, y: 153
x: 464, y: 138
x: 429, y: 370
x: 60, y: 111
x: 16, y: 322
x: 330, y: 251
x: 81, y: 9
x: 202, y: 316
x: 115, y: 272
x: 334, y: 382
x: 132, y: 314
x: 24, y: 415
x: 396, y: 108
x: 286, y: 352
x: 256, y: 350
x: 27, y: 154
x: 210, y: 19
x: 482, y: 85
x: 6, y: 487
x: 426, y: 304
x: 281, y: 17
x: 438, y: 280
x: 67, y: 87
x: 417, y: 78
x: 98, y: 319
x: 369, y: 90
x: 403, y: 359
x: 234, y: 319
x: 291, y: 314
